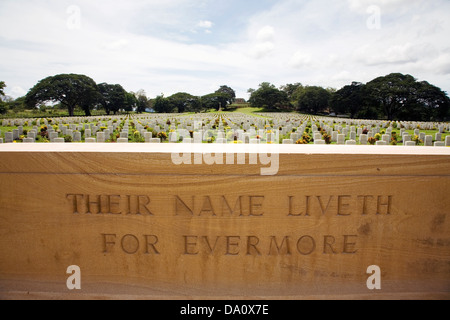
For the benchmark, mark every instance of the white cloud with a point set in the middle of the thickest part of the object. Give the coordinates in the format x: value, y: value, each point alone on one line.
x: 266, y: 34
x: 205, y: 24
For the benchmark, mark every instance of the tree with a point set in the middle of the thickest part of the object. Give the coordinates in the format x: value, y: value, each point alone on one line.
x: 113, y: 97
x: 182, y: 102
x: 162, y: 105
x: 270, y: 98
x: 71, y: 90
x: 292, y: 90
x: 143, y: 103
x: 348, y: 100
x: 2, y: 88
x: 429, y: 103
x: 226, y: 96
x: 393, y: 93
x: 2, y: 94
x: 213, y: 101
x: 313, y: 100
x: 131, y: 102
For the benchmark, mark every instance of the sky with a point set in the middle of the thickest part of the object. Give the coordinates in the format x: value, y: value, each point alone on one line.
x: 196, y: 46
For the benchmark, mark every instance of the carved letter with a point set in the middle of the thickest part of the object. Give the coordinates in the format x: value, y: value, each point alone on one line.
x: 285, y: 241
x: 188, y: 244
x: 342, y: 206
x: 256, y: 206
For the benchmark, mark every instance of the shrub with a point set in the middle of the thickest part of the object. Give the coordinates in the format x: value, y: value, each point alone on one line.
x: 378, y: 137
x: 162, y: 136
x: 372, y: 141
x: 68, y: 138
x: 365, y: 131
x: 327, y: 138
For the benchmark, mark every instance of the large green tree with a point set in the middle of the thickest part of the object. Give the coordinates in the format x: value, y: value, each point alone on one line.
x: 113, y: 97
x: 292, y: 90
x: 313, y: 100
x: 215, y: 101
x: 267, y: 96
x: 226, y: 96
x: 182, y: 102
x: 162, y: 105
x: 348, y: 100
x: 392, y: 93
x: 71, y: 90
x: 402, y: 97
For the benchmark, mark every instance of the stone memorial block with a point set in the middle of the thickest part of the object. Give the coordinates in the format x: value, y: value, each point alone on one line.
x: 52, y: 136
x: 341, y: 139
x: 319, y: 141
x: 335, y: 223
x: 155, y: 140
x: 439, y: 144
x: 9, y: 137
x: 288, y: 141
x: 77, y: 136
x: 428, y: 141
x: 15, y: 134
x: 416, y: 132
x: 352, y: 135
x: 122, y: 140
x: 447, y: 141
x: 409, y: 143
x: 334, y: 135
x: 295, y: 136
x: 422, y: 136
x: 438, y: 137
x: 363, y: 139
x: 221, y: 141
x: 381, y: 143
x: 28, y: 140
x: 148, y: 136
x: 101, y: 137
x: 58, y: 140
x: 350, y: 142
x: 87, y: 133
x: 90, y: 140
x: 317, y: 136
x: 386, y: 138
x: 20, y: 129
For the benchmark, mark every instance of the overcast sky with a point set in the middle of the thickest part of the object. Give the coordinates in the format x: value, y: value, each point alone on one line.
x: 195, y: 46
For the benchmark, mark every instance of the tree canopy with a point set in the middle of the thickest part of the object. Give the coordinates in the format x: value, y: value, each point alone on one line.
x: 71, y: 90
x: 270, y: 98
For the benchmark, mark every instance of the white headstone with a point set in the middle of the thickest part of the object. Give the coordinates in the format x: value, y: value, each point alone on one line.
x: 319, y: 141
x: 381, y: 143
x: 90, y: 140
x: 28, y: 140
x: 428, y: 141
x: 409, y: 143
x: 122, y: 140
x: 350, y: 142
x: 341, y: 139
x: 447, y: 141
x: 438, y: 137
x: 155, y: 140
x: 288, y: 141
x: 101, y: 137
x: 58, y: 140
x: 363, y: 139
x: 9, y: 137
x: 439, y: 144
x: 77, y: 136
